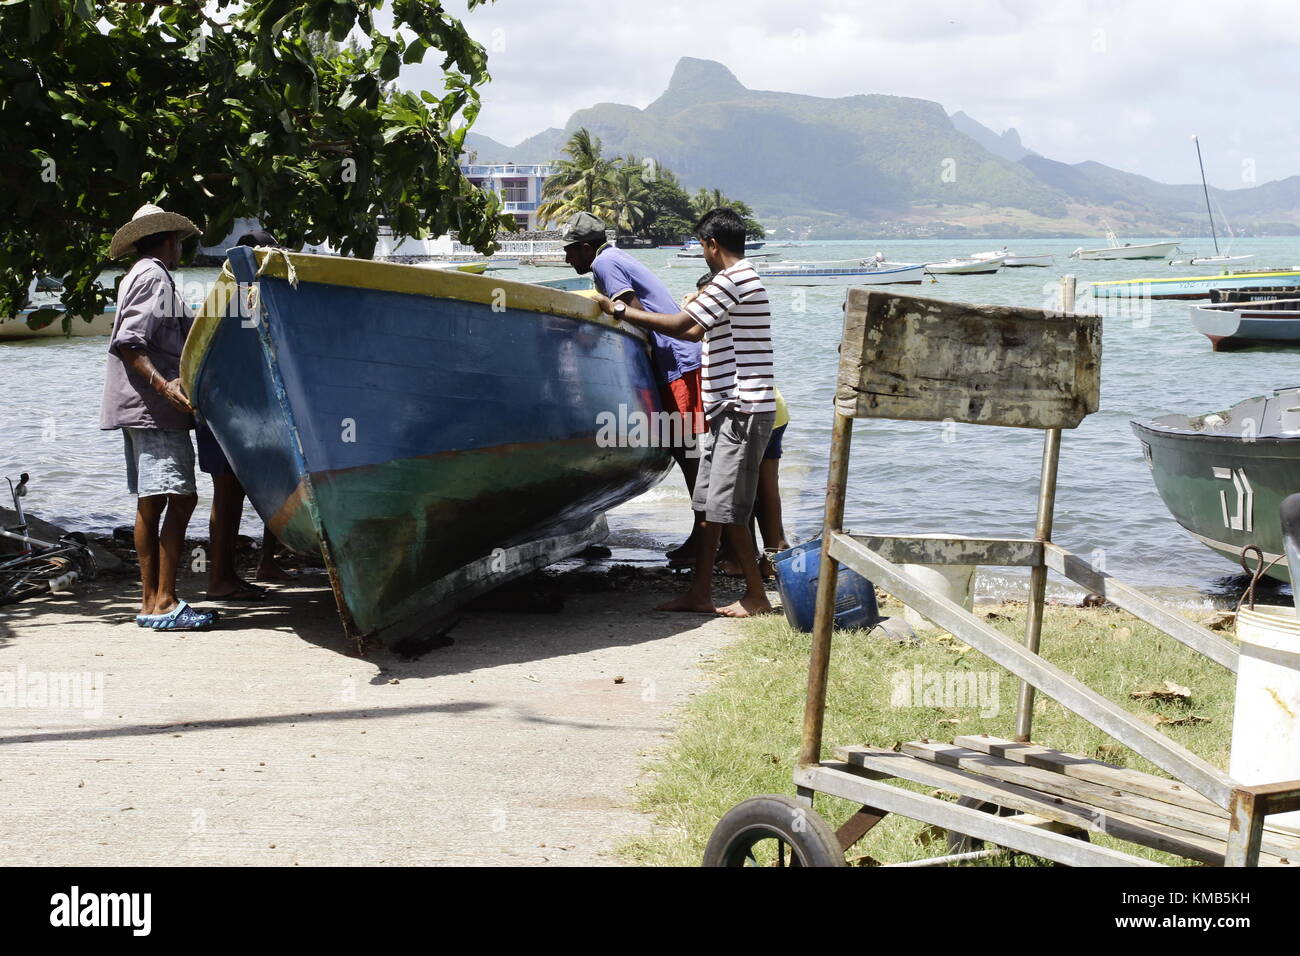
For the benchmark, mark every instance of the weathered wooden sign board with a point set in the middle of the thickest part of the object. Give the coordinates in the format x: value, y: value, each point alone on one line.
x: 909, y: 358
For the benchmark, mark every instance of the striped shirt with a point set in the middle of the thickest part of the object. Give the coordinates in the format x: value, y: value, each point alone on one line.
x: 736, y: 361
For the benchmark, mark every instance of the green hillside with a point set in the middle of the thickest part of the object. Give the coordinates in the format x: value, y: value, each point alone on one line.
x: 876, y: 164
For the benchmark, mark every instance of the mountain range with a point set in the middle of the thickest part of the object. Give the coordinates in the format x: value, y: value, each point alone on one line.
x: 818, y: 167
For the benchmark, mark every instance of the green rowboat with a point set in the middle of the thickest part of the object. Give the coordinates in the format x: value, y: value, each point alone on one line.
x: 1223, y: 475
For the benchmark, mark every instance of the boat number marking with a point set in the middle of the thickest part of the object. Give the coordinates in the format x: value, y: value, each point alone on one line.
x: 1244, y: 519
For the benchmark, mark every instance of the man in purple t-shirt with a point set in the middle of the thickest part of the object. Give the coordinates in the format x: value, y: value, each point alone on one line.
x: 676, y: 362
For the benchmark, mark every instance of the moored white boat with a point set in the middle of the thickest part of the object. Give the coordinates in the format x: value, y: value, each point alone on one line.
x: 842, y: 272
x: 474, y: 268
x: 968, y: 265
x: 15, y: 327
x: 1194, y: 287
x: 1011, y: 260
x: 1127, y: 250
x: 1203, y: 261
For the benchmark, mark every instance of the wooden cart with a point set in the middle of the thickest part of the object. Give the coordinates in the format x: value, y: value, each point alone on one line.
x: 918, y: 359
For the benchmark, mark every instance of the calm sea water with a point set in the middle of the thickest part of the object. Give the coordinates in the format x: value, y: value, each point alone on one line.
x: 906, y: 477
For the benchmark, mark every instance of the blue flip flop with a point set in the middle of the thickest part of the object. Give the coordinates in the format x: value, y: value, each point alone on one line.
x: 180, y: 618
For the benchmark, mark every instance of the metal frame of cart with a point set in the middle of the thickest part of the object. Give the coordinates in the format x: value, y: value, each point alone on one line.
x: 918, y: 359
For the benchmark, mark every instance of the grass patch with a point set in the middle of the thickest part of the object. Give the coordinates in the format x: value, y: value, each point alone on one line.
x: 740, y: 738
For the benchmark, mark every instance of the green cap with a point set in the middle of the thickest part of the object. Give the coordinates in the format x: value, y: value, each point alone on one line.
x: 584, y: 227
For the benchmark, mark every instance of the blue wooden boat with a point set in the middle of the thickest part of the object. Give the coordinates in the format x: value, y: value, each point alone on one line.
x: 1192, y: 287
x: 430, y: 433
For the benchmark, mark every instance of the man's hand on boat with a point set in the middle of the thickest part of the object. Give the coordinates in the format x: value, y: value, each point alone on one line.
x: 174, y: 392
x: 679, y: 326
x: 171, y: 389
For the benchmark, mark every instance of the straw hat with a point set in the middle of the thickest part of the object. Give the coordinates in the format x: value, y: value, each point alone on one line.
x: 149, y: 220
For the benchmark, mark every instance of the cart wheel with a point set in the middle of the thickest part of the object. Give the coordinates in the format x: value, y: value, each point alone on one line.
x: 773, y: 830
x: 961, y: 843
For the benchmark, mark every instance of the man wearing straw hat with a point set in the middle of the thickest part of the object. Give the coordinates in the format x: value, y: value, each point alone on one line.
x: 143, y: 397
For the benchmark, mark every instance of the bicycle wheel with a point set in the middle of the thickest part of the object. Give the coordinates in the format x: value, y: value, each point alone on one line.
x: 32, y: 577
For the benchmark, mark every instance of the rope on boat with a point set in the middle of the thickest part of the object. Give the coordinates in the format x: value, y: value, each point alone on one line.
x: 1256, y: 573
x: 290, y: 272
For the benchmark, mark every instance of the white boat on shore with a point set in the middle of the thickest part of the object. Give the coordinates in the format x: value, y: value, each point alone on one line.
x: 967, y: 266
x: 842, y: 272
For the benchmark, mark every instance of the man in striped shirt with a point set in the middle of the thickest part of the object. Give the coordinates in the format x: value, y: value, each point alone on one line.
x: 732, y: 317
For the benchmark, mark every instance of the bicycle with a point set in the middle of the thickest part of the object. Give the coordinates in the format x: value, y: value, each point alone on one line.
x: 41, y: 566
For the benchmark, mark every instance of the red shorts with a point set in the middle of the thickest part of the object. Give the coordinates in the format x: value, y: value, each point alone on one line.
x: 683, y: 397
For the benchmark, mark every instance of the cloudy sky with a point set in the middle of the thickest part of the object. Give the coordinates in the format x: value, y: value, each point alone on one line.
x: 1126, y: 84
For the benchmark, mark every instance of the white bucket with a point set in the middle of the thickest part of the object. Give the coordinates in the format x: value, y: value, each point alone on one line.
x: 1266, y: 721
x: 956, y: 582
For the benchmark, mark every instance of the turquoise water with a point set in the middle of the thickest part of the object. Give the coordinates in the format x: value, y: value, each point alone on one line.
x: 906, y: 477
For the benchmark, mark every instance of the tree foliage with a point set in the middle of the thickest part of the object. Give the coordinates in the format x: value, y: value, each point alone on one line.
x: 641, y: 198
x: 224, y: 109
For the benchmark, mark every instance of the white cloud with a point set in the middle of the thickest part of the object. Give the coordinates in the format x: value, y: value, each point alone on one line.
x: 1121, y: 83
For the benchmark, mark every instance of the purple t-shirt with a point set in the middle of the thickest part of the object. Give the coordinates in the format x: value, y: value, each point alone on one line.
x: 617, y: 272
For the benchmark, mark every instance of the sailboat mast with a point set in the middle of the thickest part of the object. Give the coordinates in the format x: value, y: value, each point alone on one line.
x: 1206, y: 189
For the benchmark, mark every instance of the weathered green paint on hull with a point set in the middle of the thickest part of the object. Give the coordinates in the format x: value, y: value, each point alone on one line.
x: 1224, y: 490
x: 400, y: 531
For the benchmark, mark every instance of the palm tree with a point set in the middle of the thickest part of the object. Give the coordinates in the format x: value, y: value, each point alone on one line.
x: 629, y: 198
x: 581, y: 183
x: 706, y: 199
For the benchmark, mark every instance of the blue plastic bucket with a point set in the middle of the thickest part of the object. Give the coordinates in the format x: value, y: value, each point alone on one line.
x: 796, y: 579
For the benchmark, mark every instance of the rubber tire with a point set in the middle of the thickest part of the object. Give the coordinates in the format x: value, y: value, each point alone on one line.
x: 773, y: 815
x: 960, y: 842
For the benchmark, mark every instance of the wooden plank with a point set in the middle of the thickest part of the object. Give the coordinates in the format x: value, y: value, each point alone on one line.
x: 911, y: 358
x: 1085, y: 768
x: 1105, y: 714
x: 838, y: 780
x: 1115, y: 778
x: 988, y: 552
x: 1192, y: 823
x: 1200, y: 639
x: 1027, y: 800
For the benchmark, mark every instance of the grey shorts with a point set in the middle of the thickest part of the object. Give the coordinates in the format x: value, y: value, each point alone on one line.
x: 730, y: 455
x: 159, y: 461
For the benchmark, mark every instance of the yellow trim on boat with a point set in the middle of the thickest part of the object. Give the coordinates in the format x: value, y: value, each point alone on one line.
x: 205, y: 327
x: 462, y: 286
x: 440, y: 283
x: 1223, y: 275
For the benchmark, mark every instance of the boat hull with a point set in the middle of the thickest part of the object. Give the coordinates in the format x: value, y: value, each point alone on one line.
x: 1243, y: 327
x: 1194, y: 287
x: 430, y: 441
x: 973, y: 267
x: 1150, y: 250
x: 1020, y: 262
x: 1225, y: 489
x: 831, y: 275
x: 16, y: 327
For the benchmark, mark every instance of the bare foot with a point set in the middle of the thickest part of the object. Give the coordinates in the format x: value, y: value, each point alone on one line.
x: 731, y: 568
x: 272, y: 572
x: 690, y: 603
x: 747, y: 607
